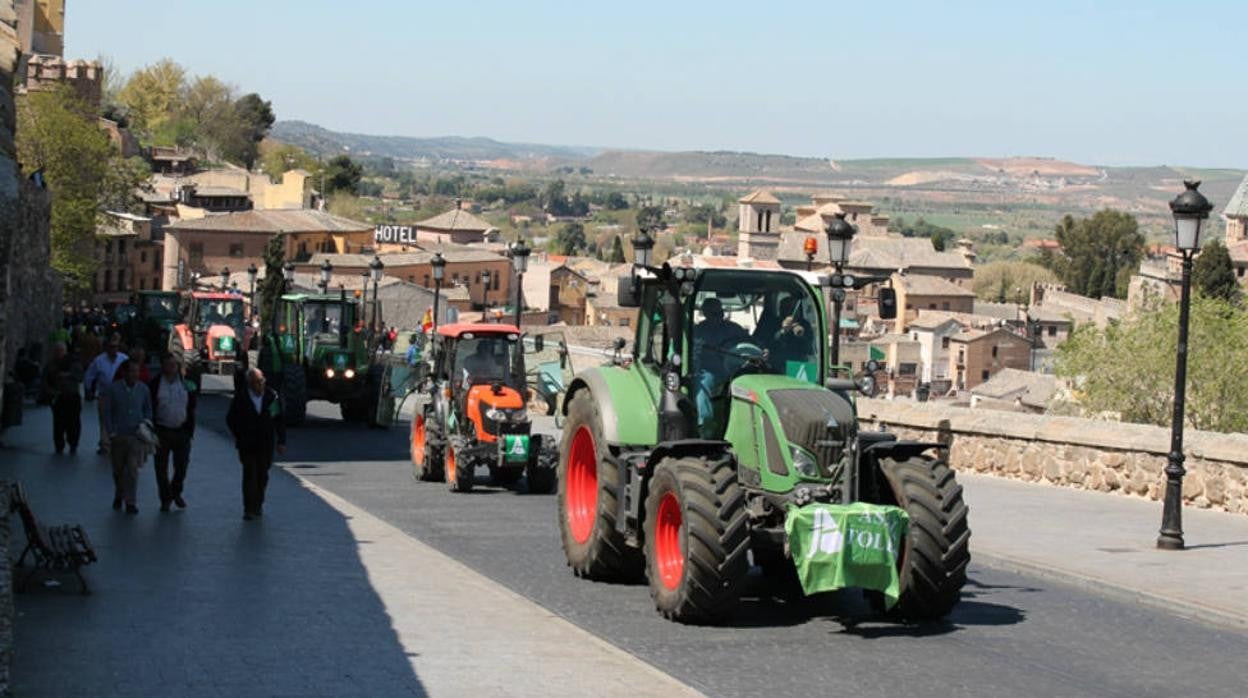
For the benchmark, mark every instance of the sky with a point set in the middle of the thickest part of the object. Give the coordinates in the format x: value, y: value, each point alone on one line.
x: 1107, y: 83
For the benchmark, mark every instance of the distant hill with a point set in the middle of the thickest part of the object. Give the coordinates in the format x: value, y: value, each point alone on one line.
x: 322, y: 141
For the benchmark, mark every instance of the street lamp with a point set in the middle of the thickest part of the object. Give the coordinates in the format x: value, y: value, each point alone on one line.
x: 375, y: 270
x: 225, y: 279
x: 252, y: 273
x: 520, y: 262
x: 1190, y: 209
x: 642, y: 246
x: 840, y: 235
x: 327, y: 271
x: 485, y: 292
x: 288, y: 275
x: 438, y: 263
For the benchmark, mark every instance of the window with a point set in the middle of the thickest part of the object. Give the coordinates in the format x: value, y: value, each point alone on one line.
x: 624, y: 322
x: 944, y: 342
x: 496, y: 279
x: 155, y: 262
x: 944, y: 306
x: 121, y: 280
x: 1240, y: 272
x: 121, y: 247
x: 142, y: 283
x: 197, y: 254
x: 426, y: 280
x: 1053, y: 328
x: 994, y: 351
x: 651, y: 335
x: 767, y: 222
x: 236, y: 249
x: 983, y: 375
x: 108, y: 280
x: 907, y: 369
x: 143, y: 257
x: 931, y: 306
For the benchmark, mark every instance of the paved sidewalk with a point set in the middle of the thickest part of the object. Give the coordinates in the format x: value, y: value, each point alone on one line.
x: 1107, y: 542
x: 317, y: 599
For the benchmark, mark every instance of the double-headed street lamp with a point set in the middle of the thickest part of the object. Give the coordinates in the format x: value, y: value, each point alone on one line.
x: 327, y: 271
x: 840, y: 237
x: 225, y: 279
x: 438, y: 263
x: 1190, y: 209
x: 375, y: 270
x: 520, y: 262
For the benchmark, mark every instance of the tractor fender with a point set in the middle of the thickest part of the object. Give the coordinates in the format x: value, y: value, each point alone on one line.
x: 899, y: 450
x: 686, y: 447
x: 184, y: 337
x: 628, y: 410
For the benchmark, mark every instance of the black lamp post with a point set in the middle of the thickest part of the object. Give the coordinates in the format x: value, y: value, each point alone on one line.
x: 1190, y: 209
x: 438, y: 263
x: 520, y: 262
x: 840, y: 236
x: 252, y: 273
x: 225, y: 279
x: 375, y: 269
x: 327, y: 271
x: 485, y: 295
x: 288, y: 275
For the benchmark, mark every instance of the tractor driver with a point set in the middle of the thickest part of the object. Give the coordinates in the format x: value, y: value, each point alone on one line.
x: 712, y: 337
x: 481, y: 366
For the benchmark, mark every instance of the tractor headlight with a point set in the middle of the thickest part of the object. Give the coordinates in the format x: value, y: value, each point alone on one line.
x: 502, y: 416
x: 803, y: 463
x: 329, y: 373
x: 496, y: 414
x: 349, y: 373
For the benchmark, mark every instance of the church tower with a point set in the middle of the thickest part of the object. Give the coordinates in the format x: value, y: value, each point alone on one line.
x: 758, y: 226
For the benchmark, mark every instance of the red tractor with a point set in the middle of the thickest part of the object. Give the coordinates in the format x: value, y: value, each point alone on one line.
x: 474, y: 412
x: 213, y: 335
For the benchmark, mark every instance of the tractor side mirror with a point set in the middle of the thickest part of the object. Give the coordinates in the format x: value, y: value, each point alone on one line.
x: 539, y: 343
x: 563, y: 355
x: 887, y: 303
x: 627, y: 291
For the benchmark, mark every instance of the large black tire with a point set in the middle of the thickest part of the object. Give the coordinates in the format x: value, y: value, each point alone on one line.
x: 459, y: 476
x: 697, y: 538
x: 937, y: 548
x: 294, y: 394
x: 542, y: 469
x: 353, y: 410
x: 427, y: 468
x: 372, y: 397
x: 594, y: 549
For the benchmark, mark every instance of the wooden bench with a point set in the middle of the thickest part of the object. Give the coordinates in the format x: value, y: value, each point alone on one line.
x: 55, y: 549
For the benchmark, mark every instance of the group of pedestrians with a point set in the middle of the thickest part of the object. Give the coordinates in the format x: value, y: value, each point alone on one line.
x: 142, y: 416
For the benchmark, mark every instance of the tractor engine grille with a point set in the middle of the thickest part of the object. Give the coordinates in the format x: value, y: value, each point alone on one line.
x: 819, y: 421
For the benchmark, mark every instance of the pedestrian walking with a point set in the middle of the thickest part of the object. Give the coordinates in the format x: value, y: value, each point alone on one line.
x: 97, y: 379
x: 173, y: 404
x: 258, y: 425
x: 127, y: 405
x: 62, y: 379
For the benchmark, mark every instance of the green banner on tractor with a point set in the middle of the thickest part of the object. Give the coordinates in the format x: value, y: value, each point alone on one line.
x: 802, y: 370
x: 516, y: 448
x: 835, y: 546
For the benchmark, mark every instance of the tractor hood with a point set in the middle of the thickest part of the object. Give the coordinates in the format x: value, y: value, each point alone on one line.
x: 807, y: 427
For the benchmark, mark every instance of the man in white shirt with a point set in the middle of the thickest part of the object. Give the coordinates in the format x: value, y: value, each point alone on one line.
x: 99, y: 376
x: 173, y: 403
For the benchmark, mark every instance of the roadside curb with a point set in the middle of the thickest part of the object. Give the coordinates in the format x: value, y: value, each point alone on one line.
x: 1180, y: 607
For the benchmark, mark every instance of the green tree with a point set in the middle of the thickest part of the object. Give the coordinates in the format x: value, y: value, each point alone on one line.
x: 272, y: 284
x: 617, y: 250
x: 616, y: 201
x: 1009, y: 282
x: 1127, y: 368
x: 58, y: 133
x: 570, y: 239
x: 347, y: 206
x: 342, y: 175
x: 1098, y: 254
x: 1213, y: 275
x: 554, y: 200
x: 277, y: 158
x: 650, y: 217
x: 153, y: 95
x: 255, y: 117
x: 208, y: 107
x: 938, y: 241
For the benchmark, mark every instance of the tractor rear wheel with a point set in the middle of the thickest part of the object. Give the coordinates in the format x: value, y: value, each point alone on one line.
x: 426, y: 456
x: 458, y: 475
x: 589, y: 494
x: 936, y: 552
x: 697, y: 538
x: 294, y: 394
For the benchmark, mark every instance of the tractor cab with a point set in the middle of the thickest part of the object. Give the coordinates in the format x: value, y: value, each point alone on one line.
x: 213, y: 332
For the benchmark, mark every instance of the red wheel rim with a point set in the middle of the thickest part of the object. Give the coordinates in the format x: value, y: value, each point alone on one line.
x: 418, y: 441
x: 450, y: 464
x: 668, y: 556
x: 581, y: 492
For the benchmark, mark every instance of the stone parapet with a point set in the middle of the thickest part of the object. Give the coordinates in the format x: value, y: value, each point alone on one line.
x: 1083, y: 453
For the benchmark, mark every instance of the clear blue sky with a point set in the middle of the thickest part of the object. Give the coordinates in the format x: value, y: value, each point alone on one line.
x: 1097, y: 82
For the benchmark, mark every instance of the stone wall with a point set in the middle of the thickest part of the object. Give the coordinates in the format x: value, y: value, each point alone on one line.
x: 1103, y: 456
x: 6, y: 593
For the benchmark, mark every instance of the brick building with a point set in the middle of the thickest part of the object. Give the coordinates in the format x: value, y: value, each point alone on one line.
x: 975, y: 355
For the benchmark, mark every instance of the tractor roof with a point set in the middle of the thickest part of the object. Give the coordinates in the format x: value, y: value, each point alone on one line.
x: 197, y: 295
x: 460, y: 328
x: 318, y: 297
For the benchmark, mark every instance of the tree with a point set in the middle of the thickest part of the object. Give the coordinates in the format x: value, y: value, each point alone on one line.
x: 617, y: 251
x: 208, y: 107
x: 277, y: 158
x: 554, y: 201
x: 650, y: 218
x: 616, y: 201
x: 1128, y: 368
x: 570, y: 239
x: 1098, y: 254
x: 255, y: 118
x: 272, y: 284
x: 938, y: 241
x: 58, y: 133
x: 347, y: 206
x: 153, y: 94
x: 1009, y: 282
x: 342, y: 175
x: 1213, y: 275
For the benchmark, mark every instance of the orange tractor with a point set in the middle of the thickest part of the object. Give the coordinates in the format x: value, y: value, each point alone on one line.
x: 473, y: 411
x: 213, y: 334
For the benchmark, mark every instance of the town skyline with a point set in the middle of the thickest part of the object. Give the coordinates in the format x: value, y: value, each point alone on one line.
x: 1080, y: 84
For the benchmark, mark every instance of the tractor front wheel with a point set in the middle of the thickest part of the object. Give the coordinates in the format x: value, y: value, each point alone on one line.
x: 589, y: 493
x: 294, y: 394
x: 426, y: 457
x: 458, y: 475
x: 697, y: 538
x: 936, y: 552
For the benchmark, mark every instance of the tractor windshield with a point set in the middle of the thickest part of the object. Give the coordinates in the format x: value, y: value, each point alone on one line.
x: 218, y: 311
x: 324, y: 319
x: 486, y: 359
x: 161, y: 307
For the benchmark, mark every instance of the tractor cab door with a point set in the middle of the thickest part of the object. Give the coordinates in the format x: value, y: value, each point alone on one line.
x: 403, y: 374
x: 549, y: 368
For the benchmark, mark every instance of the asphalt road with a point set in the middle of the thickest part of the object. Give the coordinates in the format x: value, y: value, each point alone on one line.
x: 1010, y: 635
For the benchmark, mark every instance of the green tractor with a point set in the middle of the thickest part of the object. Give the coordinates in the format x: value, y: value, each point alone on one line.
x: 156, y: 314
x: 682, y: 460
x: 318, y: 349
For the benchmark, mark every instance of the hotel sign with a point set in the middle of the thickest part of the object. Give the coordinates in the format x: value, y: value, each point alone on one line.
x: 395, y: 234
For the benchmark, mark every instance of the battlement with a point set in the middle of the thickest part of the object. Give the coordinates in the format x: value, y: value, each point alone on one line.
x: 85, y: 77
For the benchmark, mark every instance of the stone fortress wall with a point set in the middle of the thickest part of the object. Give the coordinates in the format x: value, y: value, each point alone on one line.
x: 1087, y: 454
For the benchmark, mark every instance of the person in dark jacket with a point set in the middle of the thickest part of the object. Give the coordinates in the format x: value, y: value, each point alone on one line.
x: 173, y: 405
x: 63, y: 381
x: 258, y: 425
